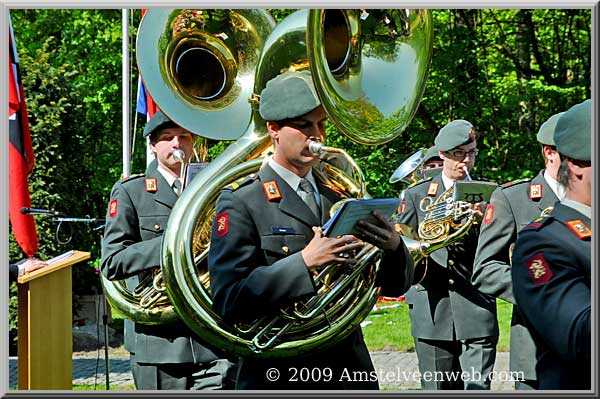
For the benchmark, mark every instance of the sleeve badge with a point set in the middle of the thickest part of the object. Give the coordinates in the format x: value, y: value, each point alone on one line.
x: 271, y: 190
x: 489, y: 214
x: 403, y: 208
x: 151, y: 185
x: 112, y: 208
x: 538, y: 269
x: 579, y: 228
x: 222, y: 224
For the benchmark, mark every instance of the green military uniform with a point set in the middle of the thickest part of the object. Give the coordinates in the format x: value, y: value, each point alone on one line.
x: 454, y: 325
x: 551, y: 271
x: 255, y: 261
x: 452, y: 322
x: 511, y: 208
x: 162, y: 356
x: 256, y: 267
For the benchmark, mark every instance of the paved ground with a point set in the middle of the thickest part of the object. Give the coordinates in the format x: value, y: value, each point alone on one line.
x: 396, y: 371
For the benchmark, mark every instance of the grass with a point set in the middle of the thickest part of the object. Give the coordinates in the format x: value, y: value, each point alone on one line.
x: 102, y: 387
x: 390, y: 328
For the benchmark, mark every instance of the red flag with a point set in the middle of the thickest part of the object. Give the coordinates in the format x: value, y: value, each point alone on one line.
x: 149, y: 104
x: 20, y: 155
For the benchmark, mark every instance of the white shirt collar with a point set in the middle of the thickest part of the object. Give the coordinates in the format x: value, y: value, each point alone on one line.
x: 167, y: 175
x: 557, y: 188
x: 578, y: 206
x: 448, y: 182
x: 290, y: 177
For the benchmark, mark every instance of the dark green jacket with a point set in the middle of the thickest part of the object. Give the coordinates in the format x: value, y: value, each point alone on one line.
x: 510, y: 209
x: 445, y: 305
x: 131, y: 247
x: 256, y: 268
x: 551, y: 276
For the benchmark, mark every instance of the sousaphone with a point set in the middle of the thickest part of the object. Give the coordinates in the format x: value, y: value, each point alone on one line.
x: 369, y: 69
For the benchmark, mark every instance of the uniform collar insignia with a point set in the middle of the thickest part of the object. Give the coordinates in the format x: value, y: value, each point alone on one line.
x: 433, y: 189
x: 579, y: 228
x: 271, y: 190
x: 535, y: 191
x: 151, y: 185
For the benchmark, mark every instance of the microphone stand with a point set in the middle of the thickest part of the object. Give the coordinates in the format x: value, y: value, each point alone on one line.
x: 98, y: 226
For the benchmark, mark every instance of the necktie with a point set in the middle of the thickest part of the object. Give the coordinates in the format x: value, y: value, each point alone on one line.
x: 177, y: 186
x: 310, y: 197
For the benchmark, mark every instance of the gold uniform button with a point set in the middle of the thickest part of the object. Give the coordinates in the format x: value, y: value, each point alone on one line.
x: 285, y: 249
x: 451, y: 262
x: 156, y: 227
x: 450, y: 281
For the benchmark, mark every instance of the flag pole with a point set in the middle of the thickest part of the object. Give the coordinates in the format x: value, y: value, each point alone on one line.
x: 125, y: 92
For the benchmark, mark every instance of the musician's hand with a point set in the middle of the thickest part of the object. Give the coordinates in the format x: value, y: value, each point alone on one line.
x: 479, y: 211
x: 381, y: 233
x: 322, y: 251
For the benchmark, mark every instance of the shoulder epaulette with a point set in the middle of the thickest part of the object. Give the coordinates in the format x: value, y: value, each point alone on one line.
x: 537, y: 223
x: 513, y: 183
x: 132, y: 177
x: 241, y: 182
x: 415, y: 184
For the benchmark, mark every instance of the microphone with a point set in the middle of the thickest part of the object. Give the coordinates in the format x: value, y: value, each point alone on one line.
x: 34, y: 211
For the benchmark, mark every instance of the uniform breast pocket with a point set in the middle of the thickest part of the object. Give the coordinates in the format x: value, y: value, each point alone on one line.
x: 152, y: 226
x: 276, y: 247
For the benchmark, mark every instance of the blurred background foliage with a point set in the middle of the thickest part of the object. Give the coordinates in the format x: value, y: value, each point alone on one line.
x: 506, y: 71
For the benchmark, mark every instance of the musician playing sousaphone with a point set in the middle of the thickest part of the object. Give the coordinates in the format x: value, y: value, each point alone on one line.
x: 454, y: 326
x: 266, y: 244
x: 168, y: 356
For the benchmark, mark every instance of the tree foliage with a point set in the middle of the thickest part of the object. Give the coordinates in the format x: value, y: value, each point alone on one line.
x: 506, y: 71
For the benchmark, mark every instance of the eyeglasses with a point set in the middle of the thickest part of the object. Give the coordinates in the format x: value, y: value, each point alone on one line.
x: 461, y: 154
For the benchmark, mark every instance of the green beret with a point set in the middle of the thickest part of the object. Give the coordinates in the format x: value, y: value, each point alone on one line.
x: 545, y: 135
x: 573, y: 132
x: 454, y: 134
x: 288, y: 95
x: 157, y: 122
x: 432, y: 152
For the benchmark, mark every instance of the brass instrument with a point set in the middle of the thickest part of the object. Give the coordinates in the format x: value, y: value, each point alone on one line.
x: 199, y: 66
x: 410, y: 170
x: 446, y: 221
x: 346, y: 56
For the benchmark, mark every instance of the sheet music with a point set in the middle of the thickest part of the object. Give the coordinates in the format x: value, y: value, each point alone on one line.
x: 60, y: 257
x: 345, y: 218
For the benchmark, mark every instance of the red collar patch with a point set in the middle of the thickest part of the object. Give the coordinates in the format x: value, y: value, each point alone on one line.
x: 535, y: 191
x: 538, y: 269
x: 489, y: 214
x: 433, y: 189
x: 222, y: 224
x: 271, y: 190
x: 151, y: 185
x: 579, y: 228
x: 112, y: 208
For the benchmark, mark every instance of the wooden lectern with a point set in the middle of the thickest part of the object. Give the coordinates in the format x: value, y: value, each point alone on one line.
x: 45, y: 326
